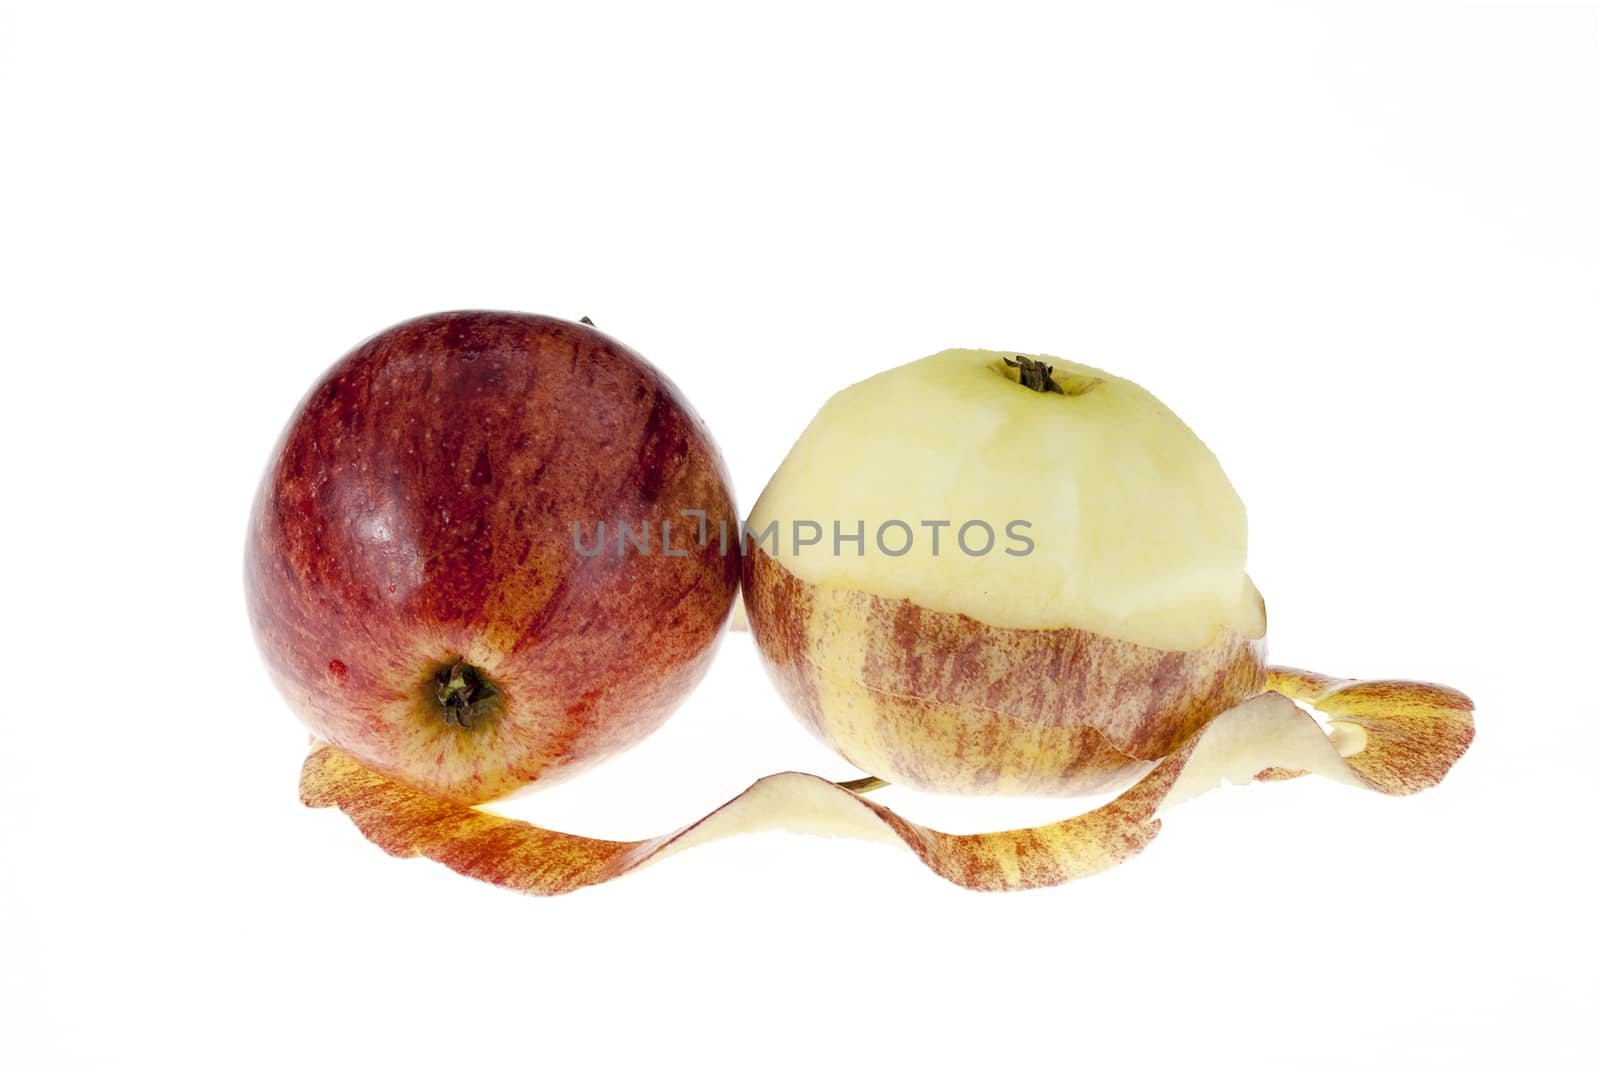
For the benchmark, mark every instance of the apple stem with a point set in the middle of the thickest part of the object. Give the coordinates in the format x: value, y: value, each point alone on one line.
x: 1037, y: 375
x: 1034, y: 374
x: 862, y: 785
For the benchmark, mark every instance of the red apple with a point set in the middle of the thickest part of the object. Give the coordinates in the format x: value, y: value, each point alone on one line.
x: 421, y: 566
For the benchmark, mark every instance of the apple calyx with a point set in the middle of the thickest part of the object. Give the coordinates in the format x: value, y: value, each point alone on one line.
x: 464, y: 694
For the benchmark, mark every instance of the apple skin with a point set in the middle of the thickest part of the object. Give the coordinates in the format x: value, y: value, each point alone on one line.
x: 418, y: 511
x: 940, y: 701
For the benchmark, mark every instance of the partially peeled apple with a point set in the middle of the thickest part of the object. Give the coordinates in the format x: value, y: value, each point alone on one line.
x: 1049, y: 593
x: 1083, y: 621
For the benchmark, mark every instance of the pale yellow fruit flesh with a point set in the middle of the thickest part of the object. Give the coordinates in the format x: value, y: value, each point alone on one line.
x: 1137, y: 533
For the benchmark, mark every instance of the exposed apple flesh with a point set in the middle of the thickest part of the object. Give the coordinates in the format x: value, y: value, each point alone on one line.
x: 1394, y: 737
x: 1137, y: 532
x: 412, y: 572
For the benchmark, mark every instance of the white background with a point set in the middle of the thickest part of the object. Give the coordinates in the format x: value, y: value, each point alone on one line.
x: 1355, y: 248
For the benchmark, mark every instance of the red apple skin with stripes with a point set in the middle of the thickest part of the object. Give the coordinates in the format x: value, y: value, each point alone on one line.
x: 414, y: 577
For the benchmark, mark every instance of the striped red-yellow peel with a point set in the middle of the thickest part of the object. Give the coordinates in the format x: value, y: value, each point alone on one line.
x: 1389, y: 736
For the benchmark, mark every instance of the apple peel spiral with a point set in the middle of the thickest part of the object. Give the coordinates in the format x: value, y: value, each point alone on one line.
x: 1393, y: 737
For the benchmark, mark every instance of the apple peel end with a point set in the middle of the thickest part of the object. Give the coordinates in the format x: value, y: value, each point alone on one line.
x: 1398, y: 737
x: 1395, y: 738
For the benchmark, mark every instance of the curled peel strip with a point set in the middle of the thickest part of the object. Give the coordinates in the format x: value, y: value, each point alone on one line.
x: 1388, y: 736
